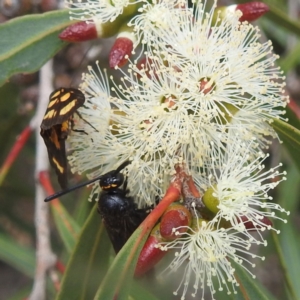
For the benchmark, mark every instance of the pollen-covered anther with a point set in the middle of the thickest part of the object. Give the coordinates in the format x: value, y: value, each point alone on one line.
x: 252, y: 10
x: 120, y: 52
x: 79, y: 32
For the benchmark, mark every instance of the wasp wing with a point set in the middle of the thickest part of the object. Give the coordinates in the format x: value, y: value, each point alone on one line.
x: 63, y: 102
x: 121, y: 228
x: 54, y: 139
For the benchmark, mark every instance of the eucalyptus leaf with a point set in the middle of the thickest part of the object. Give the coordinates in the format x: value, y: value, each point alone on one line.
x: 280, y: 17
x: 290, y: 137
x: 119, y: 278
x: 289, y: 240
x: 88, y: 262
x: 20, y: 257
x: 65, y: 224
x: 27, y: 42
x: 250, y: 288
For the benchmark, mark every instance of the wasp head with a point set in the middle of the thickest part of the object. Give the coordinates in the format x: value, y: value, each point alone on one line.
x: 111, y: 180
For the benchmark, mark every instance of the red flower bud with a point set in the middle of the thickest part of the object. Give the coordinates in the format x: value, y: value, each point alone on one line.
x: 252, y: 10
x: 120, y: 52
x: 79, y: 32
x: 150, y: 254
x: 175, y: 216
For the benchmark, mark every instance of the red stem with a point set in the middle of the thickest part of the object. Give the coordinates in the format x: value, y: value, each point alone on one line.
x: 14, y: 152
x: 191, y: 187
x: 46, y: 184
x: 60, y: 266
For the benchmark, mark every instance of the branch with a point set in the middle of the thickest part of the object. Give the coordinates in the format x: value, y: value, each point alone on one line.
x: 45, y: 259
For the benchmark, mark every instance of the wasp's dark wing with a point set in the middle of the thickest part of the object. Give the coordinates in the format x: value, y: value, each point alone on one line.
x: 121, y: 228
x: 54, y: 139
x: 55, y: 127
x: 63, y: 102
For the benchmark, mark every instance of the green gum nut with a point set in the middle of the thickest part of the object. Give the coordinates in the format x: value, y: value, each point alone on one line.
x: 211, y: 202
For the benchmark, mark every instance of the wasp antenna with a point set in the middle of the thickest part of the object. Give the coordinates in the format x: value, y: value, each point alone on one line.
x: 123, y: 165
x: 61, y: 193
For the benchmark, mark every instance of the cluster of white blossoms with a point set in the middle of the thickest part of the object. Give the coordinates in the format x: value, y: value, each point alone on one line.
x: 203, y: 99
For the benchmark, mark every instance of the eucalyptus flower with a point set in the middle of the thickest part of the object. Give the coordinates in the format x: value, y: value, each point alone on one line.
x: 237, y: 188
x: 204, y: 256
x: 203, y: 99
x: 169, y: 111
x: 229, y: 73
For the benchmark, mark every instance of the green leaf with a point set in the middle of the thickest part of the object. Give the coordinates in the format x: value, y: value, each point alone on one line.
x: 138, y: 292
x: 27, y: 42
x: 67, y: 227
x: 249, y: 288
x: 293, y: 120
x: 289, y: 235
x: 290, y: 61
x: 280, y: 17
x: 288, y: 194
x: 89, y: 261
x: 21, y: 293
x: 20, y: 257
x: 290, y: 137
x: 289, y: 240
x: 119, y: 277
x: 83, y: 208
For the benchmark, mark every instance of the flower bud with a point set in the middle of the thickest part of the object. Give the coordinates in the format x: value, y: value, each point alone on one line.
x: 122, y: 48
x: 79, y: 32
x: 120, y: 51
x: 252, y: 10
x: 150, y: 254
x: 175, y: 216
x: 89, y: 30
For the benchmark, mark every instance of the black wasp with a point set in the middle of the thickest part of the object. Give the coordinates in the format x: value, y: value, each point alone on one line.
x: 118, y: 210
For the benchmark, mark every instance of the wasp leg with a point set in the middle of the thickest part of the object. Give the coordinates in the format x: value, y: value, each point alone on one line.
x: 79, y: 130
x: 82, y: 118
x: 125, y: 190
